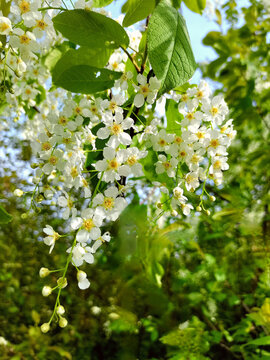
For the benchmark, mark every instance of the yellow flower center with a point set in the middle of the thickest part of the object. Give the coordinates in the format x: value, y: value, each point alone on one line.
x: 67, y: 141
x: 182, y: 153
x: 78, y: 110
x: 214, y: 110
x: 115, y: 65
x: 88, y: 224
x: 41, y: 24
x: 112, y: 106
x: 113, y: 164
x: 108, y: 203
x: 4, y: 26
x: 184, y: 97
x: 195, y: 159
x: 116, y: 129
x: 217, y: 165
x: 74, y: 172
x: 144, y: 90
x: 162, y: 142
x: 46, y: 146
x: 24, y: 39
x: 199, y: 94
x: 131, y: 160
x: 190, y: 116
x: 53, y: 160
x: 167, y: 165
x: 178, y: 140
x: 200, y: 135
x: 214, y: 143
x: 24, y: 6
x: 70, y: 203
x: 63, y: 120
x: 94, y: 109
x: 28, y: 91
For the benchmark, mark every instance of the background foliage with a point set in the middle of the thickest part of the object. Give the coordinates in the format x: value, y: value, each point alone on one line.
x: 196, y: 289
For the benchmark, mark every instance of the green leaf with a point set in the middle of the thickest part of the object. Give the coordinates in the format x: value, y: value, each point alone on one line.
x: 97, y: 57
x: 91, y: 29
x: 5, y: 7
x: 173, y: 116
x: 85, y: 79
x: 4, y: 216
x: 265, y: 340
x: 196, y: 6
x: 137, y: 10
x: 101, y: 3
x: 170, y: 53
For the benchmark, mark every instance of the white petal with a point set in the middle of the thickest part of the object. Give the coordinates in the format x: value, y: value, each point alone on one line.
x: 82, y: 236
x: 76, y: 223
x: 89, y: 258
x: 139, y: 100
x: 84, y: 284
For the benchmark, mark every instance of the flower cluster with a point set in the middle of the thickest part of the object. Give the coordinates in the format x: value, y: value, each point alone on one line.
x: 91, y: 151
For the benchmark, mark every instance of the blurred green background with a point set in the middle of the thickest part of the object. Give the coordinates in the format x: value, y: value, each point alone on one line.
x: 195, y: 289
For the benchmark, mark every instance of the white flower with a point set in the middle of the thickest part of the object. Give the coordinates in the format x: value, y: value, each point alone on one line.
x: 219, y: 163
x: 67, y: 203
x: 111, y: 165
x: 113, y: 105
x: 25, y: 41
x: 90, y: 221
x: 104, y: 238
x: 145, y: 90
x: 114, y: 128
x: 131, y: 156
x: 80, y: 253
x: 215, y: 109
x: 51, y: 238
x: 54, y: 161
x: 165, y: 165
x: 162, y: 140
x: 110, y: 203
x: 186, y: 208
x: 116, y: 62
x: 122, y: 83
x: 216, y: 144
x: 5, y: 25
x: 192, y: 181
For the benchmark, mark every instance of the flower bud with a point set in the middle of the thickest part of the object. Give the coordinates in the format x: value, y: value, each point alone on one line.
x: 45, y: 327
x: 46, y: 291
x: 198, y: 208
x: 174, y: 213
x: 60, y: 310
x: 159, y: 205
x: 24, y: 216
x: 34, y: 165
x: 43, y: 272
x: 208, y: 212
x: 81, y: 275
x: 62, y: 282
x: 18, y: 192
x: 63, y: 322
x: 212, y: 198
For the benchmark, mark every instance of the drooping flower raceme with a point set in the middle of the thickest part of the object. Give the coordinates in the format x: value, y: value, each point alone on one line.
x: 91, y: 153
